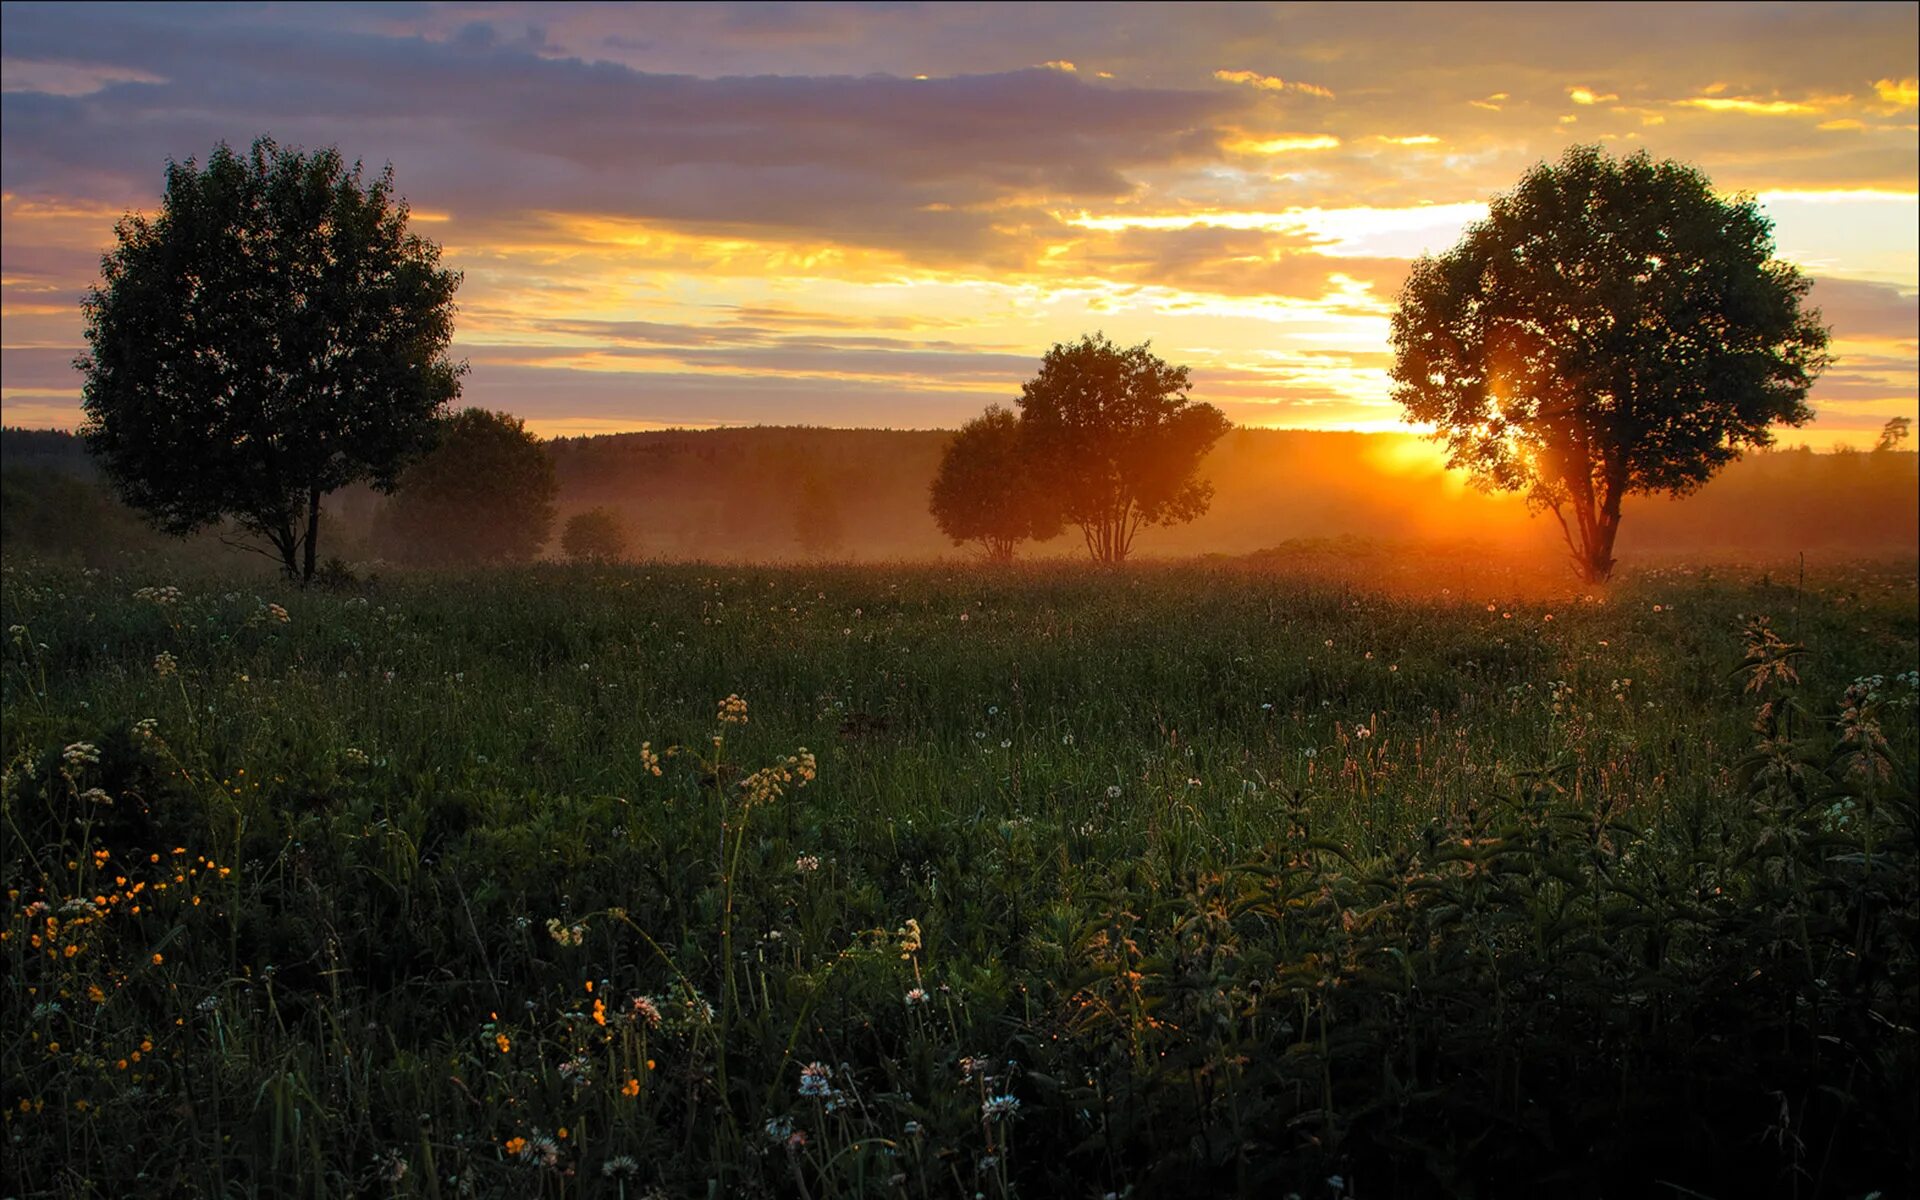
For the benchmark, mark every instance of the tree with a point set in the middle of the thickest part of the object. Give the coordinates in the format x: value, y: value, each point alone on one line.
x: 1116, y: 442
x: 987, y: 491
x: 274, y: 334
x: 595, y: 535
x: 484, y: 494
x: 1892, y: 434
x: 1612, y: 327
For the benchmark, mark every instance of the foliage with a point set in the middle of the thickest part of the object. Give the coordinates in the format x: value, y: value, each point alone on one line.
x: 483, y: 494
x: 1116, y: 441
x: 987, y: 491
x: 273, y: 334
x: 596, y: 535
x: 485, y: 890
x: 1610, y: 328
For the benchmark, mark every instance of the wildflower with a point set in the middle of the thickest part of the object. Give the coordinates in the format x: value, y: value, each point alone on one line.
x: 80, y: 754
x: 1113, y: 791
x: 644, y: 1009
x: 164, y: 664
x: 278, y: 614
x: 974, y: 1064
x: 995, y: 1107
x: 620, y: 1166
x: 649, y: 761
x: 912, y: 1127
x: 630, y: 1088
x: 806, y: 864
x: 146, y: 727
x: 503, y: 1041
x: 96, y: 796
x: 1363, y: 732
x: 394, y: 1167
x: 916, y: 996
x: 566, y: 935
x: 516, y: 1144
x: 542, y: 1149
x: 909, y: 937
x: 733, y: 710
x: 816, y: 1080
x: 779, y: 1129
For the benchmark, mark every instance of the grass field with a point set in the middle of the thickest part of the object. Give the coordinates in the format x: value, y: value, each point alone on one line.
x: 1201, y: 879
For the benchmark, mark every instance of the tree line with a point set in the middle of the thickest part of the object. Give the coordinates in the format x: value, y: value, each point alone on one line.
x: 277, y: 332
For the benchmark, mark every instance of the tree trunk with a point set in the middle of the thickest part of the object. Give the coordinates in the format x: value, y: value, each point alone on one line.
x: 313, y: 534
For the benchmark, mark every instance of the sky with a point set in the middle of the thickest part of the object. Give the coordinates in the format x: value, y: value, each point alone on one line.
x: 884, y: 214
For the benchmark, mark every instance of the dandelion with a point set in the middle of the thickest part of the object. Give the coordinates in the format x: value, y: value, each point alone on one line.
x: 916, y: 996
x: 1113, y: 791
x: 995, y: 1108
x: 542, y: 1149
x: 779, y: 1129
x: 620, y: 1166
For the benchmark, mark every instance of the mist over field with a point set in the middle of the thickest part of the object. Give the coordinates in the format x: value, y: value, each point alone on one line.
x: 736, y: 495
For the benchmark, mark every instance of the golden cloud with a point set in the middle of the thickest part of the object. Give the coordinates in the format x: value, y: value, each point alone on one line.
x: 1272, y: 83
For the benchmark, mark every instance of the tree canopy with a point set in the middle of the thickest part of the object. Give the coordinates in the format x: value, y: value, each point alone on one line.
x: 987, y: 491
x: 483, y: 494
x: 1612, y: 327
x: 596, y: 535
x: 1116, y: 442
x: 273, y: 334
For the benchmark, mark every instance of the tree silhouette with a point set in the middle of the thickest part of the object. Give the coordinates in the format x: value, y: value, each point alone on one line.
x: 484, y: 494
x: 986, y: 489
x: 1612, y: 327
x: 1116, y: 442
x: 596, y: 535
x: 274, y: 334
x: 1892, y: 434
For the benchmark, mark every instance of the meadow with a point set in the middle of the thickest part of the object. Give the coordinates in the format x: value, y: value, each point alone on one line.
x: 1229, y: 877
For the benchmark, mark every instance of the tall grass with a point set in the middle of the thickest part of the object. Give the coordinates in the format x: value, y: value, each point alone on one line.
x: 1188, y: 879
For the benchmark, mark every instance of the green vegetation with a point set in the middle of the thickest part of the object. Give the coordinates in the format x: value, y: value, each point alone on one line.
x: 273, y: 334
x: 1206, y: 879
x: 1612, y: 328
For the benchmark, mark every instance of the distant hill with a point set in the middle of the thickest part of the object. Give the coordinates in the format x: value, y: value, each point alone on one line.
x: 735, y: 494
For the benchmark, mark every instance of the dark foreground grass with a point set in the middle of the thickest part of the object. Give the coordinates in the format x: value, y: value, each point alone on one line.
x: 1190, y: 880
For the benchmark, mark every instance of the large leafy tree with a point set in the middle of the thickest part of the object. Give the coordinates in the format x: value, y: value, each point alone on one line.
x: 1612, y: 327
x: 986, y: 490
x: 274, y: 333
x: 483, y: 494
x: 1116, y: 442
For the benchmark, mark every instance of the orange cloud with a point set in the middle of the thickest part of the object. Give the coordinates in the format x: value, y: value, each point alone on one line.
x: 1272, y: 83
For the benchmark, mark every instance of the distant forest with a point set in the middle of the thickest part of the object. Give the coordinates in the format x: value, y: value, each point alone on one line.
x: 785, y: 494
